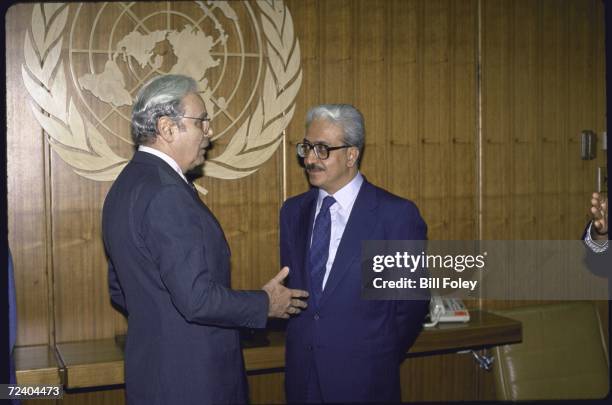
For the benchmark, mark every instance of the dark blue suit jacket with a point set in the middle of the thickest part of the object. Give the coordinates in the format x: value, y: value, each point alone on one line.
x: 169, y: 270
x: 356, y: 345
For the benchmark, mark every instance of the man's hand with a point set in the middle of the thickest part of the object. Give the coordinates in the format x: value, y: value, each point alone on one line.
x: 599, y: 211
x: 283, y: 301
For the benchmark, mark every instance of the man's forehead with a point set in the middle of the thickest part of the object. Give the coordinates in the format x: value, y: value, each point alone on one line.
x: 193, y: 104
x: 322, y: 130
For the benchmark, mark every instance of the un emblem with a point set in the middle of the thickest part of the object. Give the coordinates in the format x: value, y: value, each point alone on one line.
x: 215, y: 42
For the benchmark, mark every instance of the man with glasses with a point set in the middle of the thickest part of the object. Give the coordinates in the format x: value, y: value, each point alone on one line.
x: 343, y: 348
x: 169, y: 262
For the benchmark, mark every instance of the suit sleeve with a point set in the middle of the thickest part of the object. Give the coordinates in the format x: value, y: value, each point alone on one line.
x: 598, y: 263
x: 176, y: 240
x: 116, y: 293
x: 410, y: 314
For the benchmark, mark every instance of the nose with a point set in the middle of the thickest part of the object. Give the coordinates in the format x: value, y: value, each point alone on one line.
x: 310, y: 156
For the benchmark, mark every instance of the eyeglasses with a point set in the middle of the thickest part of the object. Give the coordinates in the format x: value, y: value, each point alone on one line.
x: 206, y: 120
x: 320, y: 149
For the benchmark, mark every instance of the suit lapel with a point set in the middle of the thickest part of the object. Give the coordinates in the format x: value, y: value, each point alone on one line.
x: 361, y: 223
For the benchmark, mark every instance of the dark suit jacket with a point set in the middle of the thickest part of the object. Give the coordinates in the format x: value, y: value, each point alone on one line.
x: 356, y: 345
x: 169, y: 270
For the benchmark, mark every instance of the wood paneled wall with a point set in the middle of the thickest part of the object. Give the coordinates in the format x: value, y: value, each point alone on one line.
x: 473, y: 110
x: 543, y: 83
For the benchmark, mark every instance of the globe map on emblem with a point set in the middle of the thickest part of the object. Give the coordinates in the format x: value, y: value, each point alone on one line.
x: 246, y: 63
x: 200, y: 39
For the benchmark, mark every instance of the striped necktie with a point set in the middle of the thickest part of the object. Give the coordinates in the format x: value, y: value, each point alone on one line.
x: 319, y: 249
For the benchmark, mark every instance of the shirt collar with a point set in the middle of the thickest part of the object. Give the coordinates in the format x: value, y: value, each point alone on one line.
x: 165, y: 158
x: 346, y: 195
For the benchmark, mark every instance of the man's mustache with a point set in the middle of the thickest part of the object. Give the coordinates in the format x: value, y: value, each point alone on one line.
x: 313, y: 167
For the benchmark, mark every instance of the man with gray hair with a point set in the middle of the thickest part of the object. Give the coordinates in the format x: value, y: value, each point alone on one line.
x: 169, y: 262
x: 343, y: 348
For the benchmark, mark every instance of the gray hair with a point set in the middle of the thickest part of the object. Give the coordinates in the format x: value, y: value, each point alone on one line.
x: 159, y: 97
x: 346, y: 117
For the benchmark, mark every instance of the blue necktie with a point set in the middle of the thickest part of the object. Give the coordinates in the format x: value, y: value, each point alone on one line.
x: 319, y: 249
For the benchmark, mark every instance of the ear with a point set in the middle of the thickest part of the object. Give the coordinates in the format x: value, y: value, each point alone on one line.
x: 165, y: 128
x: 353, y: 156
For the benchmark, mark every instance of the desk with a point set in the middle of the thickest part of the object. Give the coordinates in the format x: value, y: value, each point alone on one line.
x: 483, y: 330
x: 100, y: 362
x: 91, y: 363
x: 36, y: 365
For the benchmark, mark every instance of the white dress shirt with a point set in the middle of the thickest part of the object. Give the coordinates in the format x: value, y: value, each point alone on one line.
x: 339, y: 212
x: 165, y: 158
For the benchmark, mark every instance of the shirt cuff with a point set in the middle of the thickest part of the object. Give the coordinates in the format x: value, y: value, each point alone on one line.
x: 597, y: 246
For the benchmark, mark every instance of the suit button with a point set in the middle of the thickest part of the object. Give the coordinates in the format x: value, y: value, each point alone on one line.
x: 316, y: 317
x: 309, y: 348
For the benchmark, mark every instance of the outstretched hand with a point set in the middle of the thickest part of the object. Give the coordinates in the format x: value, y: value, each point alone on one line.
x: 284, y: 301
